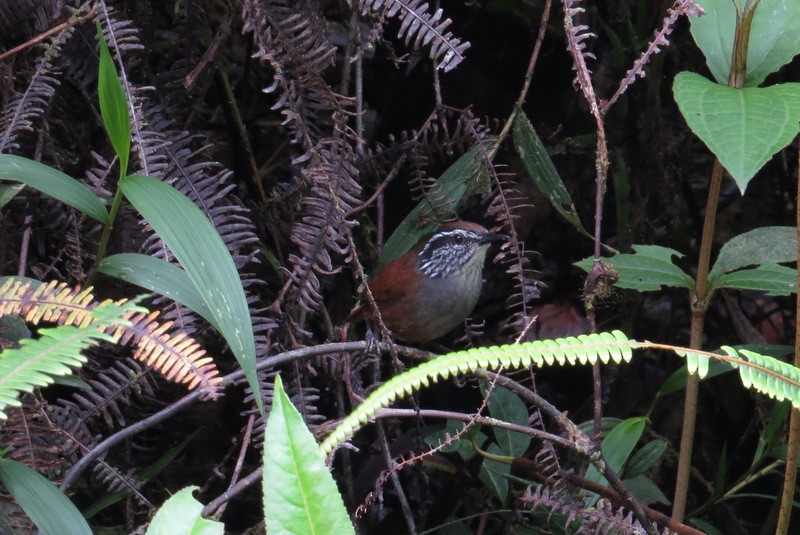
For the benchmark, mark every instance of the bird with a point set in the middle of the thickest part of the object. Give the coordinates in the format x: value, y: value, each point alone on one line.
x: 425, y: 293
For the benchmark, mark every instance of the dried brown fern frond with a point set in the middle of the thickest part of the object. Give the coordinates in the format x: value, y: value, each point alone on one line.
x: 290, y: 37
x: 22, y: 114
x: 178, y: 357
x: 29, y: 437
x: 323, y: 228
x: 419, y: 25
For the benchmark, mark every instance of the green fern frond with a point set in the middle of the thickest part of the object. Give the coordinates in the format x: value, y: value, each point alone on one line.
x: 583, y: 349
x: 759, y: 378
x: 56, y: 353
x: 765, y: 374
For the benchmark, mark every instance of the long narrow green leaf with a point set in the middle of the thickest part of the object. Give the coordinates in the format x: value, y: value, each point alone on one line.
x: 47, y: 507
x: 300, y: 495
x: 617, y: 447
x: 157, y: 276
x: 53, y: 183
x: 113, y: 105
x: 542, y: 171
x: 200, y: 250
x: 465, y: 177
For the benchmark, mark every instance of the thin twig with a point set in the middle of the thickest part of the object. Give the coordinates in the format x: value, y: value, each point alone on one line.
x: 75, y: 21
x: 227, y: 381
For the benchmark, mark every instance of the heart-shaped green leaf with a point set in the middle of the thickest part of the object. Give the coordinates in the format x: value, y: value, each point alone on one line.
x: 742, y: 127
x: 773, y: 37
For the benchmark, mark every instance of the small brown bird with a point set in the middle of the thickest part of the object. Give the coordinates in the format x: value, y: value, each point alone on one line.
x: 425, y: 293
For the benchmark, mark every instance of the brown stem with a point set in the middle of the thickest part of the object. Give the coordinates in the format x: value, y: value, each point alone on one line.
x: 790, y: 473
x: 700, y: 296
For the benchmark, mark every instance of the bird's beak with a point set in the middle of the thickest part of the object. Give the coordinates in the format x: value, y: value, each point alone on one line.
x: 494, y: 237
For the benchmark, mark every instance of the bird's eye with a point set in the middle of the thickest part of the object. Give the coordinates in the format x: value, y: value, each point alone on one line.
x: 458, y: 239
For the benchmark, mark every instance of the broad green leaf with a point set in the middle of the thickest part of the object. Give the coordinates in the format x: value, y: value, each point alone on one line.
x: 494, y: 474
x: 157, y: 276
x: 300, y: 495
x: 463, y: 445
x: 647, y: 270
x: 467, y: 176
x: 617, y: 447
x: 113, y: 105
x: 742, y: 127
x: 759, y: 246
x: 647, y: 457
x: 181, y: 515
x: 773, y: 37
x: 200, y: 250
x: 53, y: 183
x: 771, y: 278
x: 541, y: 169
x: 506, y: 406
x: 48, y: 508
x: 645, y: 491
x: 677, y: 381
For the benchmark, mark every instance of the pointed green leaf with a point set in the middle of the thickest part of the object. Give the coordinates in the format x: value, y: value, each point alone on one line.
x: 53, y: 183
x: 742, y: 127
x: 157, y: 276
x: 467, y: 176
x: 181, y: 515
x: 494, y: 474
x: 113, y: 105
x: 300, y: 495
x: 540, y: 168
x: 617, y: 447
x: 759, y: 246
x: 645, y: 491
x: 200, y: 250
x: 771, y: 278
x: 647, y: 270
x: 646, y: 458
x: 48, y: 508
x: 773, y: 37
x: 506, y: 406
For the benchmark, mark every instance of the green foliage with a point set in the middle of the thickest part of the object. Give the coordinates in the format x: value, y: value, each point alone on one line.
x: 48, y: 508
x: 300, y: 495
x: 617, y: 447
x: 198, y: 247
x: 53, y: 183
x: 56, y: 353
x: 541, y: 170
x: 742, y: 127
x: 763, y: 373
x: 648, y: 269
x: 113, y: 105
x: 773, y: 37
x: 160, y: 277
x: 180, y: 515
x: 505, y: 406
x: 764, y: 245
x: 467, y: 176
